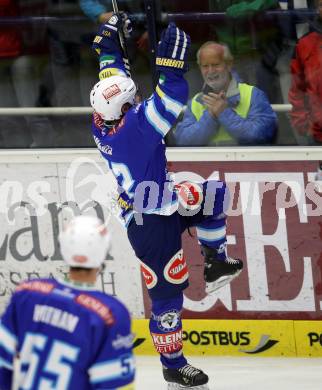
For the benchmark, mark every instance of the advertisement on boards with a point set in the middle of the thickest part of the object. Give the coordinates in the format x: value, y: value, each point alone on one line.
x: 226, y: 338
x: 284, y: 338
x: 274, y: 225
x: 36, y: 202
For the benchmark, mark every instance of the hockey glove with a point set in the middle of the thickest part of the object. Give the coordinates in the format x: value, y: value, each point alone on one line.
x: 172, y: 50
x: 107, y: 37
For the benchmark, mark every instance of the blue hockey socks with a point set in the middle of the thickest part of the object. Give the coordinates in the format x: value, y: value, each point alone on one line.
x: 166, y: 330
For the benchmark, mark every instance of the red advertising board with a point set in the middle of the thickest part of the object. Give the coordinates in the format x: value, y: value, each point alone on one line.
x: 275, y: 227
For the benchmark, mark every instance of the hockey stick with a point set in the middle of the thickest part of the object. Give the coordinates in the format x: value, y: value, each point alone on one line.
x: 122, y: 41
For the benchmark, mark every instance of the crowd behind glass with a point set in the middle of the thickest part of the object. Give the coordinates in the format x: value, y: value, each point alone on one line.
x: 275, y: 47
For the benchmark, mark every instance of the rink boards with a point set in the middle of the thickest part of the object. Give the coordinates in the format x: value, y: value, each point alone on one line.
x: 274, y: 308
x: 241, y: 338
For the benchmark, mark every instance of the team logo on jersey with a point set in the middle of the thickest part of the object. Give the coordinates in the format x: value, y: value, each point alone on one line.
x: 149, y: 276
x: 103, y: 147
x: 176, y: 271
x: 190, y: 195
x: 123, y: 341
x: 170, y: 320
x: 111, y: 91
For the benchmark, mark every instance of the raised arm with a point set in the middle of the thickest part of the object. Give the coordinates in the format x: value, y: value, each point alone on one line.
x: 107, y: 45
x: 160, y: 111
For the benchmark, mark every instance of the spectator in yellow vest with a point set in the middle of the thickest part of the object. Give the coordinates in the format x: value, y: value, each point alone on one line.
x: 226, y: 111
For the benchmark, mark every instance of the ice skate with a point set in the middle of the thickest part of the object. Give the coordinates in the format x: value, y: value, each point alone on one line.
x: 186, y: 377
x: 218, y: 273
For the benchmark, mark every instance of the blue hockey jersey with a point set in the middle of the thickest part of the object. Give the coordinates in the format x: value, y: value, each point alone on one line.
x: 67, y: 338
x: 135, y: 148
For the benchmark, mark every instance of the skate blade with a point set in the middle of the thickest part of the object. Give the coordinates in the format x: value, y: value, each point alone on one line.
x: 222, y: 281
x: 175, y: 386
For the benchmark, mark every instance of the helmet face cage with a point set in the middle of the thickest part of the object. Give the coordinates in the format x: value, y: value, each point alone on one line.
x: 84, y: 242
x: 109, y: 95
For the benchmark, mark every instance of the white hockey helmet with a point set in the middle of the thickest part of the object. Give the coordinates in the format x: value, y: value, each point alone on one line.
x: 84, y: 242
x: 109, y: 95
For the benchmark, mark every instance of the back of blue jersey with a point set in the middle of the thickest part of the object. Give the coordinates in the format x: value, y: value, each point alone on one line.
x: 135, y: 149
x: 67, y: 338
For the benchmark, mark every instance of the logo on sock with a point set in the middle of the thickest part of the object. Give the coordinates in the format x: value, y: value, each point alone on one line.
x: 169, y: 320
x: 222, y: 248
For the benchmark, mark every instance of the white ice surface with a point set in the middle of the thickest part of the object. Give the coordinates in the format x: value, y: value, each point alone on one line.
x: 240, y: 373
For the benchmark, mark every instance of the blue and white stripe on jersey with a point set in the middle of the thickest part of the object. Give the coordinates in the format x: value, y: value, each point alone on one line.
x: 8, y: 343
x: 112, y: 370
x: 5, y: 364
x: 171, y: 105
x: 156, y: 120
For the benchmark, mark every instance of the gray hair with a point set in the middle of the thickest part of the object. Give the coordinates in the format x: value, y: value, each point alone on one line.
x: 228, y: 57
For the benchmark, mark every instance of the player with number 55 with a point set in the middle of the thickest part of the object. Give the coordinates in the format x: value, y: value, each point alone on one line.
x: 65, y: 334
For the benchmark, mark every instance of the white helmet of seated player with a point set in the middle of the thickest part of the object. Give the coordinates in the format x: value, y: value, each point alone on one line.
x: 85, y: 242
x: 109, y: 96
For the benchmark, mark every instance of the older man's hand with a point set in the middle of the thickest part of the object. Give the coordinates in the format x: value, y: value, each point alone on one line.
x: 216, y: 103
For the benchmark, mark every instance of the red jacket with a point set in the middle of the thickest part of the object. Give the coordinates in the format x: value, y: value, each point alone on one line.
x: 306, y: 90
x: 10, y: 37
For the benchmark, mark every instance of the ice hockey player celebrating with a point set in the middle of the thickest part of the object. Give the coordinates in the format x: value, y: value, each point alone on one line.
x: 130, y: 138
x: 66, y: 333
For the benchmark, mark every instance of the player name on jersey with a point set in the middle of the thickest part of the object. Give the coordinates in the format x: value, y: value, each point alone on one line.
x: 55, y: 317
